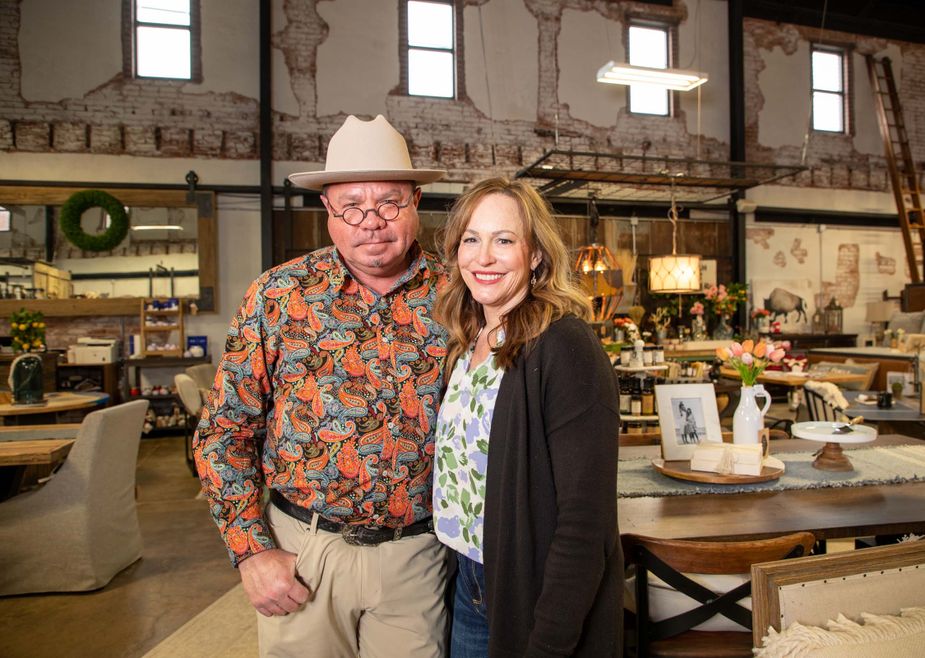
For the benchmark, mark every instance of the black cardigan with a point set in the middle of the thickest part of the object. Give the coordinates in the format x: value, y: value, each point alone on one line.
x: 552, y: 556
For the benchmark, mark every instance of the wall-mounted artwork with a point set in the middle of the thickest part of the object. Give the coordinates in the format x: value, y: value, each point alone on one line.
x: 790, y: 302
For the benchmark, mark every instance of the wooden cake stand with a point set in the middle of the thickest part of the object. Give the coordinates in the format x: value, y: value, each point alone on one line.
x: 832, y: 457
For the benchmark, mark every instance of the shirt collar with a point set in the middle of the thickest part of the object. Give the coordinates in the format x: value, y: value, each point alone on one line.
x: 421, y: 261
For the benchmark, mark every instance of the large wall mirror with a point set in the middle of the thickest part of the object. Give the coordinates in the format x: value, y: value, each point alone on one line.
x: 170, y: 251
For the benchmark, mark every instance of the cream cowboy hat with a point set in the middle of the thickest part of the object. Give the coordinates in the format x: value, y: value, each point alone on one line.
x: 366, y: 151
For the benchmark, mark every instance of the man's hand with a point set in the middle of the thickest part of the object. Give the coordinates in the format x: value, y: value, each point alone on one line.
x: 271, y: 584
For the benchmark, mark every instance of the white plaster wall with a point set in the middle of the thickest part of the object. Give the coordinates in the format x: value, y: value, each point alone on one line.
x: 821, y: 260
x: 283, y: 98
x: 867, y: 132
x: 784, y: 196
x: 785, y: 85
x: 357, y: 66
x: 62, y: 63
x: 704, y: 46
x: 511, y: 51
x: 587, y: 41
x: 230, y: 48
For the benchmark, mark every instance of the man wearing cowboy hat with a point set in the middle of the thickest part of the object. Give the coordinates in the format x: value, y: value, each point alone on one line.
x: 327, y: 394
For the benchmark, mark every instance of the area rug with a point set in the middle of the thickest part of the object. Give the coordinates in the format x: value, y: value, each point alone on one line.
x: 877, y: 465
x: 228, y: 627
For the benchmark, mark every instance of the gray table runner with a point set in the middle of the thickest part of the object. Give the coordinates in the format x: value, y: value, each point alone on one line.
x: 875, y: 465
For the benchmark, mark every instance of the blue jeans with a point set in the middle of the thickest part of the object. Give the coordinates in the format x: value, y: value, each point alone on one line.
x: 469, y: 635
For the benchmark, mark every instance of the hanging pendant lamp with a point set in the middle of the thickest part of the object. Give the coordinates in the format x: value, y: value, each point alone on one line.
x: 599, y: 273
x: 675, y: 273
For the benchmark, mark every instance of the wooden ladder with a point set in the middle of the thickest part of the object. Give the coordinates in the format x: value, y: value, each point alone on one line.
x: 899, y: 160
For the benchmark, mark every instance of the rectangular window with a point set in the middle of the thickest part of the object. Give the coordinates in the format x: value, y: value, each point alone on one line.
x: 649, y: 46
x: 431, y: 49
x: 164, y: 39
x: 828, y: 88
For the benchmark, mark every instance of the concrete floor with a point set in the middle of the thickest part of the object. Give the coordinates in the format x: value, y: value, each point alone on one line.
x: 184, y: 568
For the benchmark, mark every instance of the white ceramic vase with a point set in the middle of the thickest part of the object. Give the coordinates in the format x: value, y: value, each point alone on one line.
x: 749, y: 417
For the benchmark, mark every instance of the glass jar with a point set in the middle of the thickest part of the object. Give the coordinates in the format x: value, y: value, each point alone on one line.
x: 626, y: 355
x: 648, y: 355
x: 625, y: 396
x: 658, y: 356
x: 634, y: 427
x: 648, y: 398
x: 636, y: 405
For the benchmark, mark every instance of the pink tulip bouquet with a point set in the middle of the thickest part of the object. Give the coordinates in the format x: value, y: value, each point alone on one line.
x: 750, y: 358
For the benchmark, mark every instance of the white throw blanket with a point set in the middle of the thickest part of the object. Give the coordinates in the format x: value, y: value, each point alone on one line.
x: 831, y: 394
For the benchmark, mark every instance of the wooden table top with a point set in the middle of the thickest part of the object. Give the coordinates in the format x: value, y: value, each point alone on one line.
x: 55, y: 402
x: 42, y: 451
x: 830, y: 513
x: 796, y: 380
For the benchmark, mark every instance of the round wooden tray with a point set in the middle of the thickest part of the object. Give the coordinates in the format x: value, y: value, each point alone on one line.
x: 681, y: 470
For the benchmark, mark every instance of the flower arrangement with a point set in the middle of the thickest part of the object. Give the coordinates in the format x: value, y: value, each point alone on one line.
x: 27, y: 328
x: 750, y: 358
x: 697, y: 308
x: 725, y: 299
x: 760, y: 313
x: 628, y: 327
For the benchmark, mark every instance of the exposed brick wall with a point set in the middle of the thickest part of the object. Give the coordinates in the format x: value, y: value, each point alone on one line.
x: 833, y: 159
x: 160, y: 118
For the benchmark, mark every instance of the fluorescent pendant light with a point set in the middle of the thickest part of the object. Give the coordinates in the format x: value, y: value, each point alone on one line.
x: 627, y: 74
x: 158, y: 227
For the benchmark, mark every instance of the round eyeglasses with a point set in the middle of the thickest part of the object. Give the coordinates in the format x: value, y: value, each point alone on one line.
x: 387, y: 210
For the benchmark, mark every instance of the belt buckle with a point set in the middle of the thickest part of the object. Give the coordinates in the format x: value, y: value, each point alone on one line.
x: 351, y: 534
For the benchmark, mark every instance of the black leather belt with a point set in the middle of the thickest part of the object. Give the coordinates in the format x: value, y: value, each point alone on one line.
x: 353, y: 534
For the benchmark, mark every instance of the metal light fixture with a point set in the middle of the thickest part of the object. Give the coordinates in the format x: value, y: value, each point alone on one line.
x: 626, y: 74
x: 677, y: 273
x: 599, y: 274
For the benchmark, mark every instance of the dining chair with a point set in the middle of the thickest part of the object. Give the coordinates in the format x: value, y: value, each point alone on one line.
x: 80, y: 529
x: 696, y: 602
x: 193, y: 398
x: 203, y: 374
x: 822, y: 404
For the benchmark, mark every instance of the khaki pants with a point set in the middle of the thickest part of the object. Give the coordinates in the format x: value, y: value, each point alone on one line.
x: 372, y: 601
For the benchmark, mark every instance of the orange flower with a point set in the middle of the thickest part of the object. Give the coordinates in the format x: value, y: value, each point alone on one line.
x: 760, y: 349
x: 748, y: 345
x: 723, y: 353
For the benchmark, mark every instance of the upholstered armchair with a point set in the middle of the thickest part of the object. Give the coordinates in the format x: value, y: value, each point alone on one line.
x: 81, y: 528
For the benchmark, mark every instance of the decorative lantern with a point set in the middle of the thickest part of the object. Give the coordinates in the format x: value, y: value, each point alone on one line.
x: 674, y: 273
x: 833, y: 317
x: 599, y: 274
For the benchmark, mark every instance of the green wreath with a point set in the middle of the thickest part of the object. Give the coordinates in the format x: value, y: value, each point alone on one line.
x: 75, y: 206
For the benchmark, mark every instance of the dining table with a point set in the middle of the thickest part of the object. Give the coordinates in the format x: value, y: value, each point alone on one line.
x: 797, y: 379
x: 17, y: 457
x: 895, y: 418
x: 48, y: 410
x: 828, y: 512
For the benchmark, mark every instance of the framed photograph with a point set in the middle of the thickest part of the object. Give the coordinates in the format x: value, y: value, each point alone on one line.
x: 687, y: 415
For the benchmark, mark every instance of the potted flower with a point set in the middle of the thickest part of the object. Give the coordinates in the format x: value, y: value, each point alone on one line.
x: 762, y: 316
x: 27, y: 329
x: 750, y: 359
x: 724, y: 300
x: 662, y: 321
x: 698, y: 326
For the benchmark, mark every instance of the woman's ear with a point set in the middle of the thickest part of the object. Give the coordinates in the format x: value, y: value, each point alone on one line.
x: 536, y: 259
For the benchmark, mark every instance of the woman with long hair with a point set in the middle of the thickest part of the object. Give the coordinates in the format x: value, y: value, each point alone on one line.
x: 526, y: 463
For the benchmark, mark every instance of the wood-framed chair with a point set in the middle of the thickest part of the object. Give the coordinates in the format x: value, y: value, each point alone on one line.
x: 687, y: 567
x: 798, y: 597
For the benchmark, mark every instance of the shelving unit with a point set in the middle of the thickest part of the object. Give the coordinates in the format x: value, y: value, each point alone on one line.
x: 161, y: 327
x: 641, y: 372
x: 162, y: 405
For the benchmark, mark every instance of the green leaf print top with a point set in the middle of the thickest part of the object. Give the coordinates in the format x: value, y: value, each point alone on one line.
x: 463, y: 428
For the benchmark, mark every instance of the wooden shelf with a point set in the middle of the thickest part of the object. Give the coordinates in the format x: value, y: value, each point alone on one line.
x: 157, y: 334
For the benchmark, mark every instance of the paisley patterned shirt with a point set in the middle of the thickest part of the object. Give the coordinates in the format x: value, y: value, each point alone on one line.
x: 328, y: 393
x: 463, y: 428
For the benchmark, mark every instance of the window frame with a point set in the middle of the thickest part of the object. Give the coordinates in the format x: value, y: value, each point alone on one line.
x: 456, y: 51
x: 843, y: 53
x: 671, y: 44
x: 130, y: 42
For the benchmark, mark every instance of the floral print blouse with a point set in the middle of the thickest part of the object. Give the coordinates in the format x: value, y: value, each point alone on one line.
x: 463, y: 428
